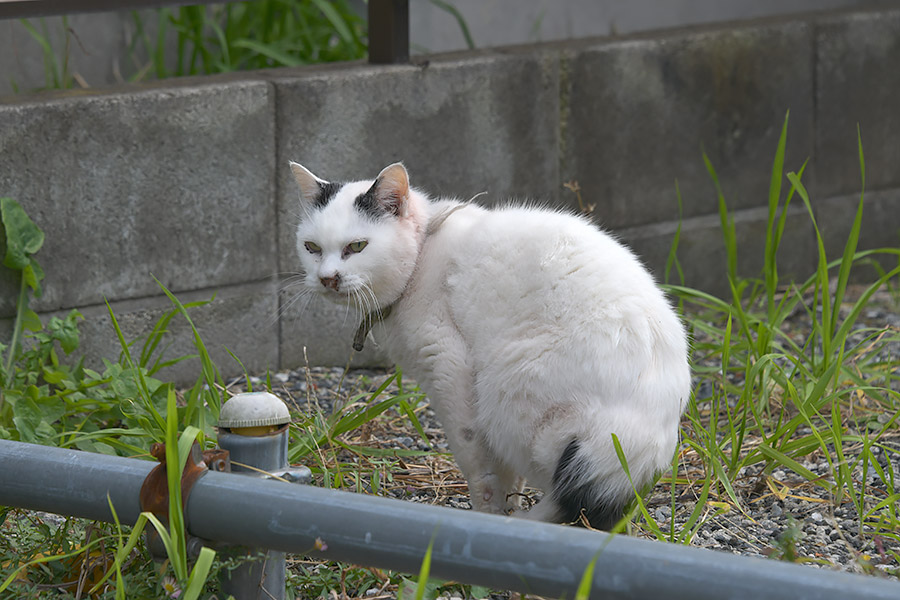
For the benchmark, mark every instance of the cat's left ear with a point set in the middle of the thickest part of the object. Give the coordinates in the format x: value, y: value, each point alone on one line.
x: 310, y: 185
x: 392, y: 189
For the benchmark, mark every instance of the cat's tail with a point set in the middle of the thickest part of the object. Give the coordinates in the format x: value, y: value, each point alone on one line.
x: 580, y: 492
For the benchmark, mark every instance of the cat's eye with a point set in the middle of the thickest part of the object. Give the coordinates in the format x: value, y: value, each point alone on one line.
x: 313, y: 248
x: 357, y: 246
x: 354, y: 248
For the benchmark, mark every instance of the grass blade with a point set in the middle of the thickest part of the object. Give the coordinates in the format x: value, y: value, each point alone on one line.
x: 460, y: 20
x: 770, y: 268
x: 199, y: 574
x: 587, y: 580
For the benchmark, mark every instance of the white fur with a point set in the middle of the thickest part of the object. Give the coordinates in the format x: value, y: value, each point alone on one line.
x: 526, y: 327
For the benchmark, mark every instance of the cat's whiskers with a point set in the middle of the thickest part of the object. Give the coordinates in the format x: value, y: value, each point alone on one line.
x: 368, y: 302
x: 288, y: 289
x: 291, y: 284
x: 363, y: 300
x: 355, y: 301
x: 349, y: 304
x: 304, y: 297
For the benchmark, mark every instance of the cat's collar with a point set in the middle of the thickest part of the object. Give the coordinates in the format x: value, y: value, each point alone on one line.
x: 376, y: 316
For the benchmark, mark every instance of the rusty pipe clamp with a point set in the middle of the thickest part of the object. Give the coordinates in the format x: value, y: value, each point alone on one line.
x: 154, y: 495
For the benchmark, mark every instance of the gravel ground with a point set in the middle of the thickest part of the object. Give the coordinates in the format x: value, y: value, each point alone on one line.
x: 781, y: 512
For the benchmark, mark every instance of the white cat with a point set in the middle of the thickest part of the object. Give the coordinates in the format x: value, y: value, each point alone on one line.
x: 535, y: 335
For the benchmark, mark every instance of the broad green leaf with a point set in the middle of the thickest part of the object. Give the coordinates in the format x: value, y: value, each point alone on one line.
x: 32, y: 275
x: 31, y: 321
x: 66, y: 331
x: 336, y: 20
x: 23, y: 237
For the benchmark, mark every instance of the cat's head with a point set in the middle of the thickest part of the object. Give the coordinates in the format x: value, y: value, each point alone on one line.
x: 358, y: 241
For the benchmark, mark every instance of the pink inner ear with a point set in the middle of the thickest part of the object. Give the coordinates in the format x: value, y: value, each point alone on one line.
x: 393, y: 188
x: 308, y: 182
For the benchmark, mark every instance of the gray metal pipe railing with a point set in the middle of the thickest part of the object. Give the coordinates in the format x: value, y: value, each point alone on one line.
x: 497, y: 552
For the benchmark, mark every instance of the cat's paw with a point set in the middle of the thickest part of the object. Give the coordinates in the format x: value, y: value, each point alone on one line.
x: 485, y: 496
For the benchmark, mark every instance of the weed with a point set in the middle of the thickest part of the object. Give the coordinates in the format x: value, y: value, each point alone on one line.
x: 56, y: 75
x: 773, y: 399
x: 786, y: 543
x: 248, y: 35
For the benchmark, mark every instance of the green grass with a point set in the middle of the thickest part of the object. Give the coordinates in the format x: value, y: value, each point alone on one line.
x: 218, y: 38
x: 774, y: 400
x: 764, y: 401
x: 248, y: 35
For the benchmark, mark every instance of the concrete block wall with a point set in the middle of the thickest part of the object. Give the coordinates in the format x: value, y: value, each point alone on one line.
x: 187, y: 180
x: 858, y: 79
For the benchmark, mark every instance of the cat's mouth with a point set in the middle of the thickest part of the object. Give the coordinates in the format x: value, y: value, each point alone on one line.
x: 335, y: 288
x: 347, y: 292
x: 336, y: 294
x: 339, y: 293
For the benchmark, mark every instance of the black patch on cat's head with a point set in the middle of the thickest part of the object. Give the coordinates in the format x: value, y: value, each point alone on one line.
x: 371, y: 206
x: 327, y: 191
x: 368, y: 204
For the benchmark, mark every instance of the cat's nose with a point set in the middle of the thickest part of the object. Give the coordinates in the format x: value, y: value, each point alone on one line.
x: 331, y: 282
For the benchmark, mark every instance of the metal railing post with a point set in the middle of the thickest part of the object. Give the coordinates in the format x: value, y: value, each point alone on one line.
x: 253, y: 427
x: 388, y: 31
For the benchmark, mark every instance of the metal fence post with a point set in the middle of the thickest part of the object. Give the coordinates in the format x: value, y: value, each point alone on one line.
x: 388, y: 31
x: 253, y: 427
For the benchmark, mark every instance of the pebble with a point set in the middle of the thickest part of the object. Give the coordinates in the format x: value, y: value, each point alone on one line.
x: 722, y: 536
x: 769, y: 525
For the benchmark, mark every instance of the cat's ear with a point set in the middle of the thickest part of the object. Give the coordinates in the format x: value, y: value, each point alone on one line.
x: 310, y: 185
x: 391, y: 189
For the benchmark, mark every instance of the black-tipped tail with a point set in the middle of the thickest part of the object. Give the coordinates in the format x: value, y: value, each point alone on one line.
x: 575, y: 493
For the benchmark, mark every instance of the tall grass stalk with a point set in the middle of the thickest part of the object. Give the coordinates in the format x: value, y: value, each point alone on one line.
x: 56, y: 76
